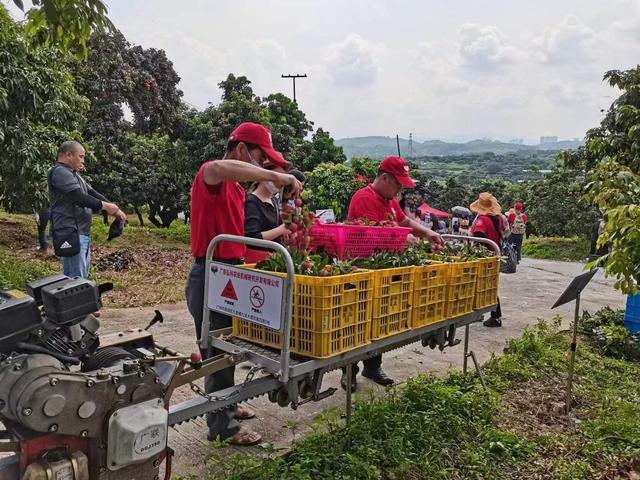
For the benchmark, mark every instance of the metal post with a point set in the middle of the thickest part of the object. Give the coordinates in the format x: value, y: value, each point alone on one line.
x: 285, y: 314
x: 572, y: 358
x: 349, y: 380
x: 466, y: 349
x: 293, y: 77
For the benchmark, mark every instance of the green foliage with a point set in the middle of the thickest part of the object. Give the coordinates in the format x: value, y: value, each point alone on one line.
x: 611, y: 161
x: 606, y: 328
x: 39, y: 108
x: 476, y: 167
x: 321, y: 150
x: 331, y: 185
x: 117, y: 73
x: 448, y: 428
x: 66, y: 24
x: 555, y: 206
x: 574, y: 249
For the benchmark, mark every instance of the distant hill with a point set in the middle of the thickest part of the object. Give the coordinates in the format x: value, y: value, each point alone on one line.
x: 380, y: 147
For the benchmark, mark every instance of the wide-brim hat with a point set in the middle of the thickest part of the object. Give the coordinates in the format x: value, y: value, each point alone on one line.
x: 486, y: 204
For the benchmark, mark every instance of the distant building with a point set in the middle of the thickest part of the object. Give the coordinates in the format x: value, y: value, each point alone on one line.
x: 548, y: 139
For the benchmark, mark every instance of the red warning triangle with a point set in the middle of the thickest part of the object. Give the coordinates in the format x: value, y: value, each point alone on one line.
x: 229, y: 291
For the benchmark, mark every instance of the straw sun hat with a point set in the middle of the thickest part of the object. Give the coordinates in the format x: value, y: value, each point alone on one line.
x: 486, y: 204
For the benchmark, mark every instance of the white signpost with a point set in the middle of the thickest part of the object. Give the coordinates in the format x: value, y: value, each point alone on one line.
x: 247, y: 294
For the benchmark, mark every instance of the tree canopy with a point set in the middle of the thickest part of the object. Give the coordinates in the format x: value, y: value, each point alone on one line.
x: 611, y: 161
x: 39, y: 108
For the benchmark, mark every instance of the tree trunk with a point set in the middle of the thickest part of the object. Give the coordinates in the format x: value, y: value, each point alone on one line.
x: 153, y: 210
x: 168, y: 215
x: 140, y: 219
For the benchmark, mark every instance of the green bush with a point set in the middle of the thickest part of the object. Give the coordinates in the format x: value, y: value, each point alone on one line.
x: 573, y: 249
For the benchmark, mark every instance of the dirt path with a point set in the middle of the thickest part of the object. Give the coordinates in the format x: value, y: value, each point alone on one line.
x: 526, y: 296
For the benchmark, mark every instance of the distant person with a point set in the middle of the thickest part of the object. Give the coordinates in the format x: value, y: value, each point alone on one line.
x: 488, y: 224
x: 42, y: 220
x: 262, y: 215
x: 73, y: 202
x: 464, y: 226
x: 518, y: 225
x: 442, y: 227
x: 455, y: 225
x: 596, y: 230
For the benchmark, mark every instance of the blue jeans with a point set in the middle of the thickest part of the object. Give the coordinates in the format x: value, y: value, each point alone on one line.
x: 78, y: 264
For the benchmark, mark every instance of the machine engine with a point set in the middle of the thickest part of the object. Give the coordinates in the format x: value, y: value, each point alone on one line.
x: 73, y: 409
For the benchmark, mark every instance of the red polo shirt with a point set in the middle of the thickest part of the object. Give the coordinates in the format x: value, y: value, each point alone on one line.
x: 214, y: 210
x: 368, y: 203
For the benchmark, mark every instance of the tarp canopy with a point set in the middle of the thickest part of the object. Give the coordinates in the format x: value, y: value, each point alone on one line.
x: 424, y: 209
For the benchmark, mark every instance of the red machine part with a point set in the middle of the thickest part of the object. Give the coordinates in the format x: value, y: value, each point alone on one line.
x: 30, y: 450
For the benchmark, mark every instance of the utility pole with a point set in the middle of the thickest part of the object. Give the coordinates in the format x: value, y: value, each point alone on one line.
x: 410, y: 145
x: 293, y: 77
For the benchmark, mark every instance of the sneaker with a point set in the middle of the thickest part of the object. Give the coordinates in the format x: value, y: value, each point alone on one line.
x: 492, y: 322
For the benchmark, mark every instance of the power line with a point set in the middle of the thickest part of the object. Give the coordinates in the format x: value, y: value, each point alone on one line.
x: 293, y: 77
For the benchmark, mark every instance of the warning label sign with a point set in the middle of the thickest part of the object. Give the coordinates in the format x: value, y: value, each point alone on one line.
x: 247, y: 294
x: 229, y: 291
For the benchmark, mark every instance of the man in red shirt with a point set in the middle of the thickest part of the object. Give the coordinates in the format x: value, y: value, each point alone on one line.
x: 217, y: 207
x: 518, y: 226
x: 376, y: 202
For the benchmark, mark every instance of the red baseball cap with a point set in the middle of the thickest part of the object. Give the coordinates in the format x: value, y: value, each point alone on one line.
x: 518, y: 206
x: 398, y: 167
x: 261, y: 136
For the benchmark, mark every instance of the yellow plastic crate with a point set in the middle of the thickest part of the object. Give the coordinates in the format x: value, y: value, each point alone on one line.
x: 330, y: 315
x: 392, y: 295
x: 429, y: 294
x: 487, y: 282
x: 461, y: 288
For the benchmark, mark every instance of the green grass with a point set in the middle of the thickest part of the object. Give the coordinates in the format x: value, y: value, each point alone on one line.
x: 135, y: 236
x: 16, y: 272
x: 162, y: 260
x: 451, y: 429
x: 556, y: 248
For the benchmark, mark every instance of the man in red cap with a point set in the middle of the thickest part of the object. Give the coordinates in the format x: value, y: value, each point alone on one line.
x: 376, y: 202
x: 518, y: 226
x: 217, y: 207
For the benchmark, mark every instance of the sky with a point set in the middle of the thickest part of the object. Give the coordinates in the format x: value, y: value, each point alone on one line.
x: 451, y: 70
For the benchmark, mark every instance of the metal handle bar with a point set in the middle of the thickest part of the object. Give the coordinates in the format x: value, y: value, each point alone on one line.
x: 494, y: 246
x: 285, y: 314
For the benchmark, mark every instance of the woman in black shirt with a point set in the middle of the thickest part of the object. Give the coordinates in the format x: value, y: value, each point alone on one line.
x: 262, y: 218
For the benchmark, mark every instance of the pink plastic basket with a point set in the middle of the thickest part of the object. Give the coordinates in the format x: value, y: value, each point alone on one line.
x: 350, y: 241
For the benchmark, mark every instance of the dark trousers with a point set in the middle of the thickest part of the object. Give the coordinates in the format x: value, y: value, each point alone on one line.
x: 369, y: 365
x: 515, y: 239
x: 43, y: 220
x: 497, y: 313
x: 220, y: 423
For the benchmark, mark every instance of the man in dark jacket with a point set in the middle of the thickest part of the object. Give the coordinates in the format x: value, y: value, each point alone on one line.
x: 73, y: 202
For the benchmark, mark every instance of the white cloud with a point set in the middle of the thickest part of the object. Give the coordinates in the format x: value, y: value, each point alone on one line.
x: 484, y: 47
x: 353, y: 62
x: 571, y: 41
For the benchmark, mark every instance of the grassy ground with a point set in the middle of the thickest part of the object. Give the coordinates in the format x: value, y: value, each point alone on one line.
x: 147, y: 265
x: 557, y: 248
x: 451, y: 429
